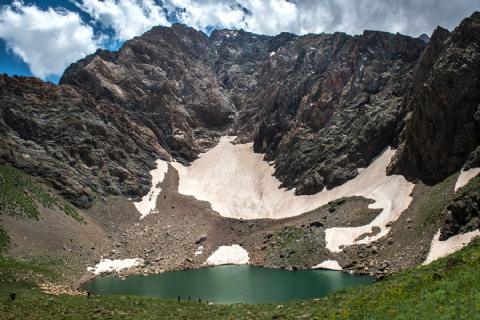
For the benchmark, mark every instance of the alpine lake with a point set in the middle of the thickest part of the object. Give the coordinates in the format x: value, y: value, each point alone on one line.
x: 230, y: 284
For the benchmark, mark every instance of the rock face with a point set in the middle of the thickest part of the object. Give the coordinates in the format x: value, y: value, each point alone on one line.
x: 327, y: 105
x: 441, y: 108
x: 463, y: 215
x: 163, y: 81
x: 79, y: 146
x: 319, y: 106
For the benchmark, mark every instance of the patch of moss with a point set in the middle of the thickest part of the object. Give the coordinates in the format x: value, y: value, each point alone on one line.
x: 4, y: 241
x: 431, y: 205
x: 294, y: 246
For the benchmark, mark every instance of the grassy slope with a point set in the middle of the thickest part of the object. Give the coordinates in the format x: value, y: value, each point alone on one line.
x: 20, y: 196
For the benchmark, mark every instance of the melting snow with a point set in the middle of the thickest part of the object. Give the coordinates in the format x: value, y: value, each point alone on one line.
x: 240, y: 185
x: 233, y: 254
x: 328, y: 264
x: 149, y: 201
x: 111, y: 265
x: 465, y: 177
x: 439, y: 249
x: 199, y: 250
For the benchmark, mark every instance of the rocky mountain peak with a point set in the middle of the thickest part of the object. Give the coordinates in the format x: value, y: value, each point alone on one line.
x: 441, y: 130
x: 424, y: 37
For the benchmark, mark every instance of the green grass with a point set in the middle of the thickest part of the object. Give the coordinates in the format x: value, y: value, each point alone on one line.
x: 20, y: 196
x: 428, y: 292
x: 446, y: 289
x: 4, y: 241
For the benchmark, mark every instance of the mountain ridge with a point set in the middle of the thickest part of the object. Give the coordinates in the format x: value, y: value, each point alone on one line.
x: 238, y: 70
x: 319, y: 115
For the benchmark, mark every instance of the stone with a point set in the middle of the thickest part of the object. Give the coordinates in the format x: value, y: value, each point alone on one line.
x: 316, y: 224
x: 202, y: 239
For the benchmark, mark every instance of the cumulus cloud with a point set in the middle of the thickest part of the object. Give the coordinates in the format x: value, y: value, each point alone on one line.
x: 48, y: 41
x: 271, y: 17
x: 127, y: 18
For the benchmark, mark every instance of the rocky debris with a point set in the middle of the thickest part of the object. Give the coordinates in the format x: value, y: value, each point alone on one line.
x: 58, y: 289
x: 441, y: 108
x: 316, y: 224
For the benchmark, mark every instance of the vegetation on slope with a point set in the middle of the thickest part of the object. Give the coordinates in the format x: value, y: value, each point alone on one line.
x: 4, y: 240
x: 445, y: 289
x: 20, y: 196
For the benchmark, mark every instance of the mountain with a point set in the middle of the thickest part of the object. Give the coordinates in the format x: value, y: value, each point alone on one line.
x: 440, y: 111
x: 291, y: 95
x: 424, y: 37
x: 319, y: 108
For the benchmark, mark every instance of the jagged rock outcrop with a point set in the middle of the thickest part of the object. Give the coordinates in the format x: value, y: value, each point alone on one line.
x: 80, y: 147
x: 160, y: 80
x: 463, y: 215
x: 442, y: 107
x: 327, y: 105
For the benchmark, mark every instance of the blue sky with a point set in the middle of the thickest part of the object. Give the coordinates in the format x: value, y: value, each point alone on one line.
x: 42, y: 37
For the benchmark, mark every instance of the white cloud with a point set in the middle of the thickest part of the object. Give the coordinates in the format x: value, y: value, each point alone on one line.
x: 272, y: 17
x: 128, y: 18
x: 48, y: 41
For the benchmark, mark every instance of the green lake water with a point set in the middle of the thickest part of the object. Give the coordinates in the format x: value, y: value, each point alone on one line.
x: 230, y: 284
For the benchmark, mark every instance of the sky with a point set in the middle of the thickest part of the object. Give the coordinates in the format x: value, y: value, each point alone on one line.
x: 43, y: 37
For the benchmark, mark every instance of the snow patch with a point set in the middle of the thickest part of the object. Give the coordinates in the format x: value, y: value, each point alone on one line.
x: 199, y: 250
x: 465, y: 177
x: 328, y: 264
x: 107, y: 265
x: 149, y: 201
x: 239, y: 184
x: 439, y: 249
x: 233, y: 254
